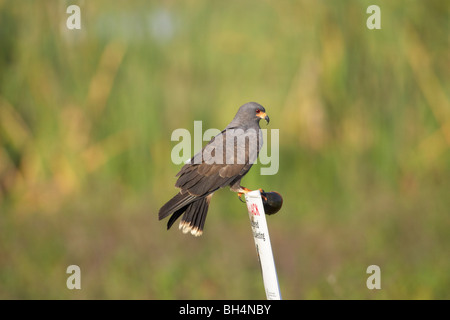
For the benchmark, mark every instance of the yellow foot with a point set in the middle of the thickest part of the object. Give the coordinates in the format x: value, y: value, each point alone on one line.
x: 263, y: 197
x: 246, y: 190
x: 243, y: 190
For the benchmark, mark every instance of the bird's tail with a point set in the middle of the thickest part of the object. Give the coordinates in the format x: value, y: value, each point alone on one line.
x: 194, y: 209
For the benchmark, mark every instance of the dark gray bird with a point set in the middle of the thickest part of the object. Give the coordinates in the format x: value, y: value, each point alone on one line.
x: 222, y: 162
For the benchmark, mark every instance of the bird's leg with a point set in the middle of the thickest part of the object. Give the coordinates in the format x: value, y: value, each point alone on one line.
x: 244, y: 190
x: 241, y: 191
x: 262, y: 191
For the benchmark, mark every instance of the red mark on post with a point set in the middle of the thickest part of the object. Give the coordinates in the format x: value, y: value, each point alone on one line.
x: 253, y: 209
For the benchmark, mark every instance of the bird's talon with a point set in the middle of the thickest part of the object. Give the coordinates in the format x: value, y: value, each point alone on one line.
x: 262, y: 191
x: 240, y: 197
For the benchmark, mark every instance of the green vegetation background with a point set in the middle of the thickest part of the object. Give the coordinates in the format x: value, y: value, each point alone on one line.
x: 86, y: 118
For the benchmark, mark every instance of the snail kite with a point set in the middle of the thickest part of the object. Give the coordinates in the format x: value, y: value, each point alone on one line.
x: 222, y: 162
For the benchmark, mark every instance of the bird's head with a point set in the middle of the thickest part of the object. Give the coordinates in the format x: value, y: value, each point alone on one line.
x: 251, y: 112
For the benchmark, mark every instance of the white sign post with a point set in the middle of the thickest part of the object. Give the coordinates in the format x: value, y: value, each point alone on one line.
x: 262, y: 242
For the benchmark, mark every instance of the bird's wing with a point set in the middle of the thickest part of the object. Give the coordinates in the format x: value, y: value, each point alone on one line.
x: 219, y: 163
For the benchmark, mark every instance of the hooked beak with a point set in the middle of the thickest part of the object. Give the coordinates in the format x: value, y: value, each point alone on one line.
x: 264, y: 116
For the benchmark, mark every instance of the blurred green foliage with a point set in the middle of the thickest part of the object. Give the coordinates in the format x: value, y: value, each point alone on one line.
x: 86, y: 118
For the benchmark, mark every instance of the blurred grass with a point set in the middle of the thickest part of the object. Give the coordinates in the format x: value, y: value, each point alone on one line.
x: 85, y: 124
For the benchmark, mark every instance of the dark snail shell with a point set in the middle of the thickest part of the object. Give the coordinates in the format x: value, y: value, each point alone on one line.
x: 272, y: 202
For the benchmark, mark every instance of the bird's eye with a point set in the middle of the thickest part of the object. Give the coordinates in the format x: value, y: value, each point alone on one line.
x: 258, y: 111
